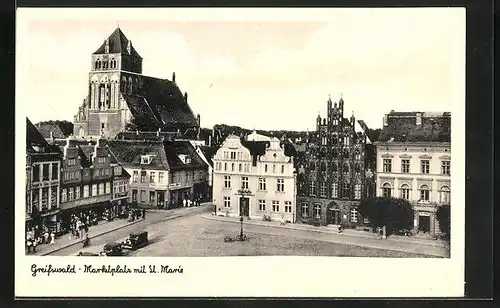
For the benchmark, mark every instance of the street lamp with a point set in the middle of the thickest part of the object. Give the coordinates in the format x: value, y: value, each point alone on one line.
x: 241, y: 229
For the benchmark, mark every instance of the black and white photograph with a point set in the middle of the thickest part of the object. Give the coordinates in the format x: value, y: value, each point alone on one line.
x: 239, y: 141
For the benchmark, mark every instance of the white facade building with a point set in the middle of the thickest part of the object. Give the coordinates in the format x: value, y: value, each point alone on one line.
x: 253, y: 179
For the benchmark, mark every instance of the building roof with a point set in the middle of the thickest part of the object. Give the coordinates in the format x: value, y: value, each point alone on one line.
x: 160, y: 103
x: 36, y: 143
x: 176, y: 148
x: 402, y: 127
x: 117, y: 44
x: 209, y: 153
x: 47, y: 128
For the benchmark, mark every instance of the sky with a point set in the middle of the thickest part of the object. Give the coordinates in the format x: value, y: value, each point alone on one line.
x: 255, y: 68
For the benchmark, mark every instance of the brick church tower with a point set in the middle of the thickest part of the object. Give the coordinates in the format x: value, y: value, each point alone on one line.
x: 120, y: 97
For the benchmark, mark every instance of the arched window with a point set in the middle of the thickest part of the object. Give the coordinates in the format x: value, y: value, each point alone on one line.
x: 317, y: 211
x: 445, y: 195
x: 357, y: 167
x: 81, y: 132
x: 129, y: 86
x: 386, y: 190
x: 405, y: 191
x: 98, y: 64
x: 425, y: 193
x: 335, y: 190
x: 346, y: 168
x: 323, y: 188
x: 312, y: 166
x: 123, y: 85
x: 312, y: 187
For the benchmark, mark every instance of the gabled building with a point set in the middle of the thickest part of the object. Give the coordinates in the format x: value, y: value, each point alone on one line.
x: 336, y: 171
x: 163, y: 173
x: 121, y: 98
x: 43, y: 164
x: 414, y: 163
x: 254, y: 178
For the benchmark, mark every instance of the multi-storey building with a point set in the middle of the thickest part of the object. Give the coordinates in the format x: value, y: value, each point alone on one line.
x: 43, y: 164
x: 335, y: 173
x: 121, y: 98
x: 414, y: 161
x: 254, y: 178
x: 87, y: 178
x: 164, y: 173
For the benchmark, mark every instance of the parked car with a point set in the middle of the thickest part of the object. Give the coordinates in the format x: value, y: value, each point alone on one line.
x: 136, y: 240
x: 113, y: 249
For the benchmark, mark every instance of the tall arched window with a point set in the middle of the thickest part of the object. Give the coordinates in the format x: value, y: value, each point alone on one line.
x: 405, y: 192
x: 123, y: 85
x: 129, y: 85
x: 425, y: 193
x: 445, y: 195
x: 98, y: 64
x: 386, y: 190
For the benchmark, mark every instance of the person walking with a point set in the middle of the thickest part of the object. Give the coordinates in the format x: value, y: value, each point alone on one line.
x: 282, y: 220
x: 143, y: 213
x: 52, y: 238
x: 184, y: 202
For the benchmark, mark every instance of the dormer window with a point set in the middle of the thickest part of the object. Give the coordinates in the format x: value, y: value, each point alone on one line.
x: 146, y: 159
x: 186, y: 159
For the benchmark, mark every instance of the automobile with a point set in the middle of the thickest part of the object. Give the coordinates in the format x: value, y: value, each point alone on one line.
x: 136, y: 240
x: 87, y: 254
x: 113, y: 249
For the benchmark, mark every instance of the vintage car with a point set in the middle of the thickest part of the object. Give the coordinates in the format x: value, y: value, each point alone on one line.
x: 136, y: 240
x: 113, y: 249
x: 87, y: 254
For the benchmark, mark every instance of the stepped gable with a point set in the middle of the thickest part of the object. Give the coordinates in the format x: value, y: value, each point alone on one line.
x: 402, y: 127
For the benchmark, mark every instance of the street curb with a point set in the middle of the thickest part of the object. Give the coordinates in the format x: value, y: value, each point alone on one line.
x: 90, y: 237
x: 341, y: 234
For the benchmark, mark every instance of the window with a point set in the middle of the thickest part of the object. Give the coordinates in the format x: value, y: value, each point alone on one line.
x: 151, y: 197
x: 134, y: 194
x: 118, y: 170
x: 71, y: 162
x: 77, y: 192
x: 86, y: 191
x: 323, y: 140
x: 282, y: 169
x: 108, y: 188
x: 244, y: 182
x: 305, y: 210
x: 262, y: 184
x: 312, y: 187
x: 357, y: 191
x: 152, y: 176
x: 36, y: 173
x: 233, y: 155
x: 405, y: 166
x: 262, y: 205
x: 387, y: 165
x: 145, y: 159
x: 94, y: 190
x: 405, y: 192
x: 55, y: 171
x: 101, y: 189
x: 386, y: 190
x: 71, y: 194
x: 354, y: 215
x: 280, y: 186
x: 445, y: 167
x: 317, y: 211
x: 143, y: 176
x: 288, y: 206
x: 247, y: 168
x: 265, y: 168
x: 312, y: 166
x: 323, y: 189
x: 160, y: 177
x: 227, y: 201
x: 424, y: 166
x: 274, y: 168
x: 346, y: 190
x: 424, y: 193
x: 45, y: 172
x: 225, y: 155
x: 335, y: 190
x: 276, y: 206
x: 64, y: 196
x: 445, y: 195
x: 225, y: 166
x: 227, y: 181
x: 143, y: 196
x: 239, y: 167
x: 232, y: 167
x: 134, y: 176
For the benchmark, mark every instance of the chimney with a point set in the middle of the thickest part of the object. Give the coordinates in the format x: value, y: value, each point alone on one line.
x: 385, y: 120
x: 198, y: 119
x: 186, y: 96
x: 51, y: 135
x: 173, y: 76
x: 419, y: 118
x: 209, y: 140
x: 129, y: 47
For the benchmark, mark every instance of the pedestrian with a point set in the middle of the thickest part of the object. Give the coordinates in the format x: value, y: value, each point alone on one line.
x: 143, y: 213
x: 46, y: 237
x: 35, y: 243
x: 184, y: 202
x: 52, y: 238
x: 282, y: 220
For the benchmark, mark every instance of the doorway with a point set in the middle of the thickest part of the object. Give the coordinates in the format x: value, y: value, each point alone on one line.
x: 244, y: 206
x: 424, y: 223
x: 333, y: 217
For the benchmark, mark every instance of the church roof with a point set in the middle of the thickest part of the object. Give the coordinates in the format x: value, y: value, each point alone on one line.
x: 117, y: 44
x: 46, y: 128
x: 402, y: 127
x: 160, y: 103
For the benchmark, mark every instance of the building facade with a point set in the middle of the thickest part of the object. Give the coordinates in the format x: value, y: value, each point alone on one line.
x: 43, y: 165
x: 121, y: 98
x: 336, y: 171
x: 414, y: 163
x: 253, y: 179
x: 163, y: 173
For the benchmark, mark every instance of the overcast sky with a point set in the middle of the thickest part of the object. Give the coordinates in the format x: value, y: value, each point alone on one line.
x: 268, y: 69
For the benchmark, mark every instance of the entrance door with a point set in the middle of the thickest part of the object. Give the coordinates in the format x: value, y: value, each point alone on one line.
x: 244, y: 206
x: 424, y: 223
x: 333, y: 217
x: 161, y: 199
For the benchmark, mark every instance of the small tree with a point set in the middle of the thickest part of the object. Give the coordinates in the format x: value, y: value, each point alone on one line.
x: 388, y: 213
x: 443, y: 216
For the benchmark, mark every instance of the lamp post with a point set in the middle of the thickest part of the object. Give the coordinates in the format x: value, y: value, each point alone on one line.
x: 241, y: 229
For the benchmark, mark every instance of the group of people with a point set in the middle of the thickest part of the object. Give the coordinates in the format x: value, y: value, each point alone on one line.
x: 134, y: 214
x: 79, y: 225
x: 190, y: 203
x: 35, y: 237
